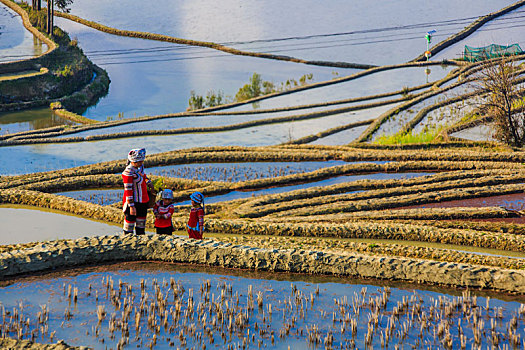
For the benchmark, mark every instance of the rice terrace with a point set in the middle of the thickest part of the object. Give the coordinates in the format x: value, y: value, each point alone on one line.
x: 258, y: 174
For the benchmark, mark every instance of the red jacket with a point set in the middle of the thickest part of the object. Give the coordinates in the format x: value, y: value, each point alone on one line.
x: 163, y: 214
x: 196, y: 222
x: 135, y: 186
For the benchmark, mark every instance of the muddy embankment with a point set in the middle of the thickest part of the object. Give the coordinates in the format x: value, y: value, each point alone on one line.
x: 96, y: 250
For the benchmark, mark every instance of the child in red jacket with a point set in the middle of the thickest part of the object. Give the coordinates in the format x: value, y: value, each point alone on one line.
x: 196, y: 221
x: 163, y: 211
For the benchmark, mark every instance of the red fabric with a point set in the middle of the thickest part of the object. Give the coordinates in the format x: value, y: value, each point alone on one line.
x: 165, y: 212
x: 196, y: 220
x: 135, y: 186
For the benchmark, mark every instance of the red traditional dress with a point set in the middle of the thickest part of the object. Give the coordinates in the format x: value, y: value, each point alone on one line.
x: 135, y: 186
x: 163, y: 214
x: 196, y: 223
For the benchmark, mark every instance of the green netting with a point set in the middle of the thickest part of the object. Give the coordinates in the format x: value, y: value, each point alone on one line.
x: 475, y: 54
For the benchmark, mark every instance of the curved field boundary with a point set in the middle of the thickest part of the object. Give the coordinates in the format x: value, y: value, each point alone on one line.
x: 58, y: 131
x: 464, y: 77
x: 517, y: 229
x: 61, y: 130
x: 96, y: 250
x: 419, y: 216
x: 211, y: 45
x: 113, y: 178
x: 371, y: 230
x: 367, y: 134
x: 51, y: 46
x: 471, y: 28
x: 22, y: 75
x: 373, y: 189
x: 238, y: 126
x: 406, y: 200
x: 332, y: 131
x: 423, y: 112
x: 476, y: 156
x: 305, y: 194
x: 379, y: 248
x: 468, y: 125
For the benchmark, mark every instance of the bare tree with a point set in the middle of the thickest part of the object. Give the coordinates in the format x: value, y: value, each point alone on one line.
x: 503, y: 89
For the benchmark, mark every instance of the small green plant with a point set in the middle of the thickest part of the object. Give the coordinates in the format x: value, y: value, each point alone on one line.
x: 195, y: 102
x: 256, y: 87
x: 401, y: 138
x: 158, y: 184
x: 67, y: 71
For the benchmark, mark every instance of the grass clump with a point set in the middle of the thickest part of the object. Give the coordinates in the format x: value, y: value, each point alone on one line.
x: 402, y: 138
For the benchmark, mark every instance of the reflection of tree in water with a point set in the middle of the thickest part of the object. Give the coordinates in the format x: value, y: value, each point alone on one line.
x: 54, y: 120
x: 30, y: 120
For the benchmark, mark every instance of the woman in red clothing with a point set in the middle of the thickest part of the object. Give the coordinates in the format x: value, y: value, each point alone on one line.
x: 196, y: 221
x: 135, y: 202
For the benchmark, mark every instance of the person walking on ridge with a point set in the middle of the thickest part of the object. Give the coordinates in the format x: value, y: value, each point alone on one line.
x: 135, y: 201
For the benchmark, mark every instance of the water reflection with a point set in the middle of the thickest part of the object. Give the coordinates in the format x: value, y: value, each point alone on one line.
x: 33, y: 119
x: 16, y: 42
x: 190, y: 306
x: 32, y: 158
x: 149, y: 78
x: 378, y: 32
x: 42, y: 225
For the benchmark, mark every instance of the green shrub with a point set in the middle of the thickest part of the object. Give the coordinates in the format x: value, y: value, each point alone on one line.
x: 401, y: 138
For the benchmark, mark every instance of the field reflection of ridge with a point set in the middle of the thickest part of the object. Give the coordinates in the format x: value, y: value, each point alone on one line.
x: 166, y: 305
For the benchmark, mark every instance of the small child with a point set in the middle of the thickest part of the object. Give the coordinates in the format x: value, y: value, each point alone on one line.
x: 196, y: 221
x: 163, y: 211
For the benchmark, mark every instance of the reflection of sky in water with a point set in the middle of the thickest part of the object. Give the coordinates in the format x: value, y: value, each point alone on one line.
x: 505, y: 30
x: 16, y: 42
x: 326, y: 182
x: 164, y: 86
x: 236, y: 21
x: 32, y: 158
x: 393, y: 124
x: 100, y: 197
x: 215, y: 120
x: 446, y: 116
x: 478, y: 133
x: 20, y: 225
x: 274, y: 289
x: 341, y: 138
x: 372, y: 84
x: 233, y: 172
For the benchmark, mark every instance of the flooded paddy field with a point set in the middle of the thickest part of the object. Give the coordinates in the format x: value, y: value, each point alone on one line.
x: 233, y: 172
x: 166, y: 305
x: 34, y: 119
x: 159, y: 77
x: 481, y: 132
x: 23, y: 224
x: 236, y: 26
x: 504, y: 30
x: 314, y: 208
x: 110, y: 196
x: 368, y: 85
x: 44, y: 157
x: 514, y: 201
x: 17, y: 43
x: 328, y: 182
